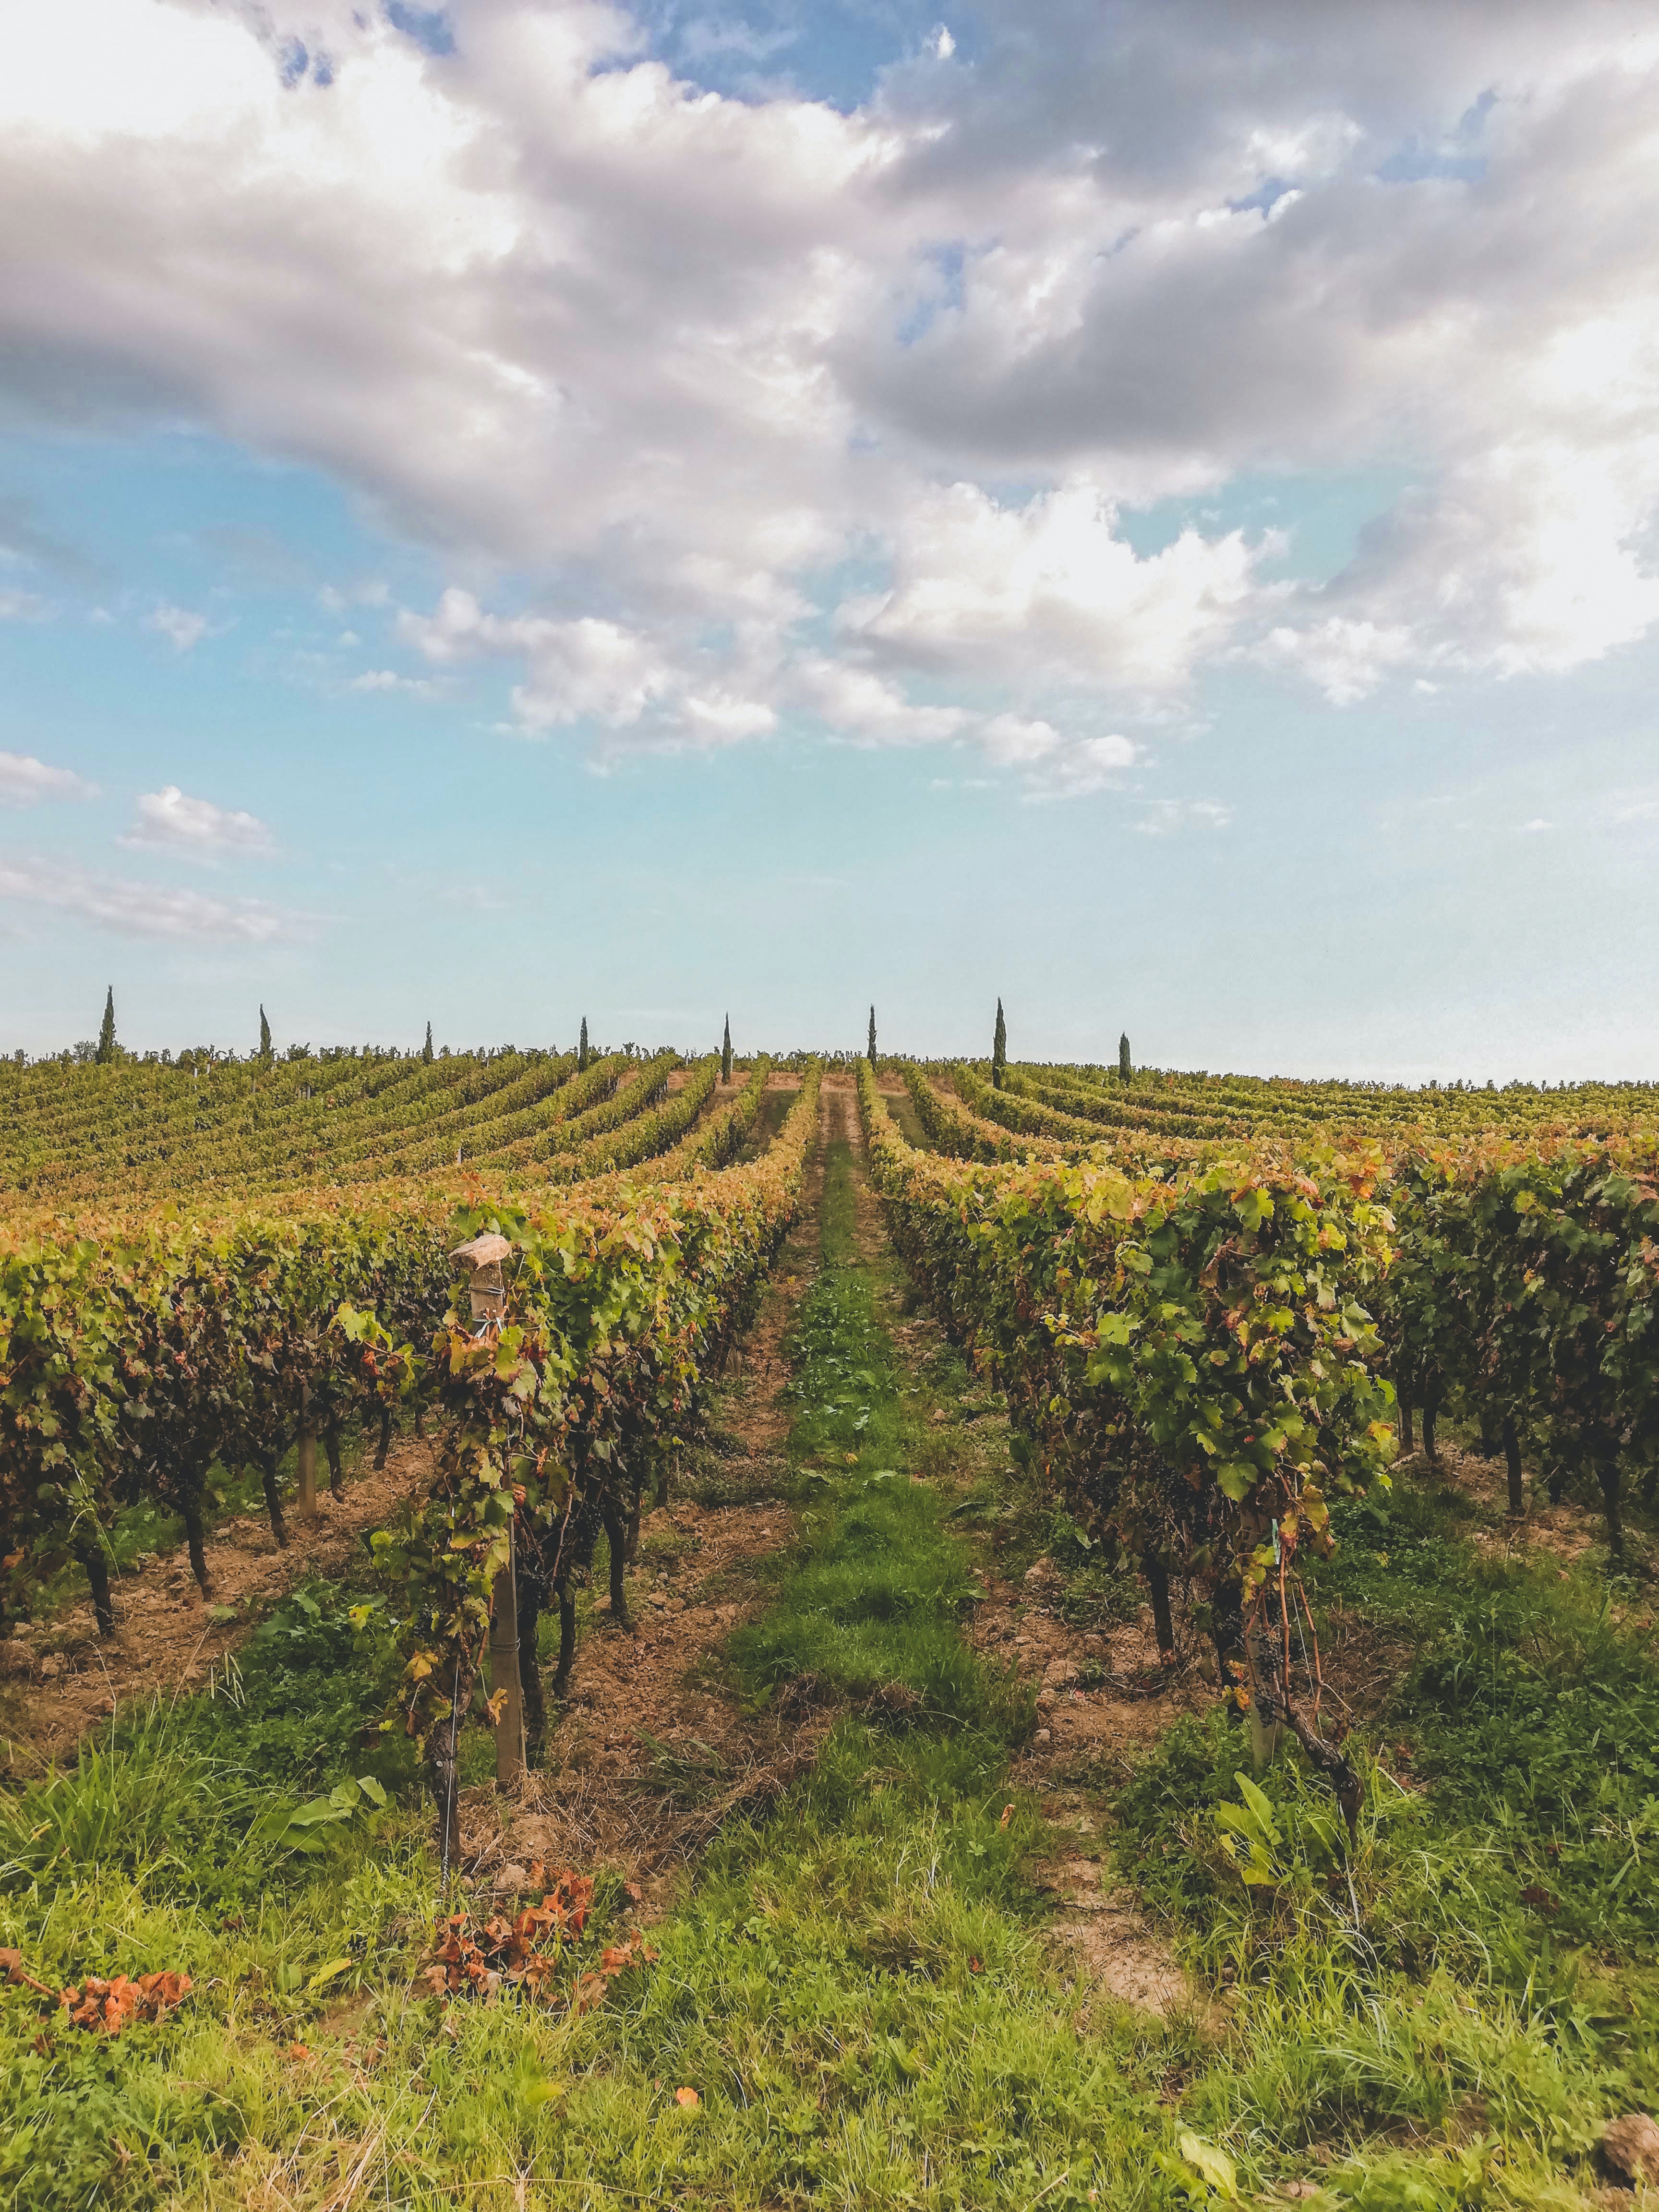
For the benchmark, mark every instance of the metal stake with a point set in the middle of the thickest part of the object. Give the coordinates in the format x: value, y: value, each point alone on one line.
x: 504, y: 1672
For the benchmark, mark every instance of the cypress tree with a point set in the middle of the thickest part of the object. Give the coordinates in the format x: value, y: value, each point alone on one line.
x: 1124, y: 1069
x: 999, y: 1049
x: 264, y: 1035
x: 426, y: 1050
x: 726, y: 1052
x: 872, y: 1037
x: 107, y: 1044
x: 581, y: 1049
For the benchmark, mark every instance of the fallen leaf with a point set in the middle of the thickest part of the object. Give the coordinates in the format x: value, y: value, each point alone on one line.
x: 11, y: 1966
x: 687, y: 2097
x: 110, y: 2005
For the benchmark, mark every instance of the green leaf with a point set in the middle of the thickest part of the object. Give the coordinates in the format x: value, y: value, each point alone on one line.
x: 325, y: 1974
x: 1210, y: 2165
x: 1260, y: 1804
x: 272, y: 1823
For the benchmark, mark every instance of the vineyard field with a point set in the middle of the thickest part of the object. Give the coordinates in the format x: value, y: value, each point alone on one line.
x: 622, y: 1627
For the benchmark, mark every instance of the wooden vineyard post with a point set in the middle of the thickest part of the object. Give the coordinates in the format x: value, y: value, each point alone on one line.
x: 504, y: 1676
x: 483, y: 1258
x: 307, y: 1455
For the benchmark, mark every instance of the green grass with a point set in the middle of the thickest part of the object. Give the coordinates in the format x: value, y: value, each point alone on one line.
x: 1449, y: 2013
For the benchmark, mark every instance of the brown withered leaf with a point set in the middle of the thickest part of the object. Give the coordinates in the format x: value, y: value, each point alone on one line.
x: 109, y: 2006
x: 526, y: 1951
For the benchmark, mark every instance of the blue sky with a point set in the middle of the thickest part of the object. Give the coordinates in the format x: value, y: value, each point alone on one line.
x: 643, y: 516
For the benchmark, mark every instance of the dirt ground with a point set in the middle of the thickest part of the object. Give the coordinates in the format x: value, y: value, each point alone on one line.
x: 60, y: 1678
x: 1085, y: 1739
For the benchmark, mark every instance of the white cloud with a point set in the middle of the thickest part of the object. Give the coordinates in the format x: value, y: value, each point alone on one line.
x: 136, y: 909
x: 184, y: 627
x: 679, y: 360
x: 1538, y: 822
x: 594, y: 670
x: 21, y: 606
x: 1346, y: 659
x: 387, y: 679
x: 1164, y: 817
x: 172, y: 820
x: 983, y: 591
x: 1057, y: 767
x: 869, y: 710
x: 24, y: 780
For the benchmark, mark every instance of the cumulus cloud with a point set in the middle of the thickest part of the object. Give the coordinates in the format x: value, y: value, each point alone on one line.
x: 588, y: 669
x: 686, y: 363
x: 137, y: 909
x: 868, y: 708
x: 983, y: 590
x: 1057, y: 767
x: 180, y: 625
x: 174, y: 822
x: 25, y: 780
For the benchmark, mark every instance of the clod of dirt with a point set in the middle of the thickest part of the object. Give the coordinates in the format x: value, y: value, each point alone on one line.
x: 896, y: 1700
x: 1631, y: 2148
x: 802, y: 1694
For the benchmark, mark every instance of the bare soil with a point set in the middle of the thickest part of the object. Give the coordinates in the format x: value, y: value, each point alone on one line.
x: 1567, y: 1530
x: 63, y: 1679
x: 1085, y: 1739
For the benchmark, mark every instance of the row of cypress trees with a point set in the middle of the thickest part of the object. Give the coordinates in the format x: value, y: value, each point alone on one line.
x: 108, y: 1050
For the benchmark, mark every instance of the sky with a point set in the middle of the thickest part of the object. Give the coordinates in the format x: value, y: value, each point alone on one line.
x: 534, y: 509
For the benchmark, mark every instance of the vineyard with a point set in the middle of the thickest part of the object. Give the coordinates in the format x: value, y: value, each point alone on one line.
x: 867, y: 1631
